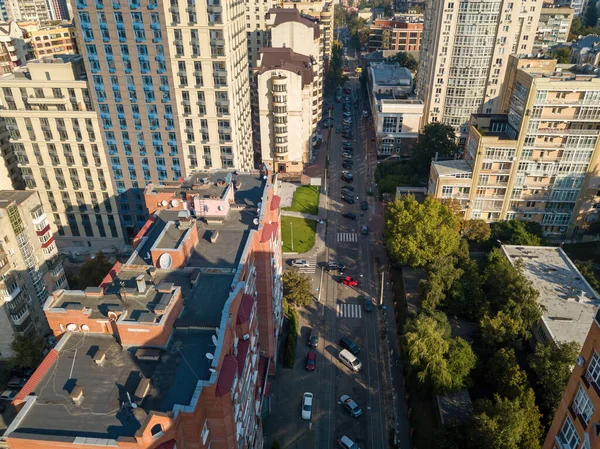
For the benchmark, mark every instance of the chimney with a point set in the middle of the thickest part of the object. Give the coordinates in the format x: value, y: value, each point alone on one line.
x: 77, y: 395
x: 141, y: 283
x: 100, y: 357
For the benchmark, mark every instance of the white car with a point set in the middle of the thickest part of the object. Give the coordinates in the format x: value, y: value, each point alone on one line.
x: 300, y: 263
x: 9, y: 394
x: 347, y: 443
x: 307, y: 402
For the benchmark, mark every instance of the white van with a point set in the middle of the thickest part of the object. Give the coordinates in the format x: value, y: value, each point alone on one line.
x: 350, y: 360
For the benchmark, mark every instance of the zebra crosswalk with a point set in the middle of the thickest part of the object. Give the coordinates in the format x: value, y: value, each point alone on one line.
x: 347, y: 237
x: 312, y: 267
x: 349, y: 310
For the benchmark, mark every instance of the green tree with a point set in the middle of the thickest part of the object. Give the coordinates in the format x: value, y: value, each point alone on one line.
x: 93, y: 271
x: 436, y: 138
x: 335, y: 74
x: 513, y: 307
x: 27, y: 351
x: 504, y: 375
x: 576, y: 28
x: 587, y: 270
x: 506, y: 424
x: 417, y: 234
x: 438, y: 359
x: 552, y: 364
x: 477, y: 230
x: 517, y: 232
x: 297, y: 288
x: 591, y: 14
x: 563, y: 55
x: 405, y: 60
x: 441, y: 278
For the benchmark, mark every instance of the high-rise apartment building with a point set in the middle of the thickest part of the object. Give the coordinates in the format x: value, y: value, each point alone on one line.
x: 30, y: 268
x: 579, y: 6
x: 401, y: 33
x: 55, y: 139
x: 158, y: 357
x: 464, y: 54
x: 15, y: 47
x: 540, y: 159
x: 577, y: 419
x: 25, y: 10
x: 256, y: 28
x: 553, y: 27
x: 170, y: 83
x: 53, y: 40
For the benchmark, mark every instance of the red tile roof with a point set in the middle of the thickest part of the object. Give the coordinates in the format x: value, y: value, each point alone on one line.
x: 242, y: 352
x: 167, y: 445
x: 275, y: 202
x: 269, y: 230
x: 245, y: 308
x: 226, y: 376
x: 37, y: 376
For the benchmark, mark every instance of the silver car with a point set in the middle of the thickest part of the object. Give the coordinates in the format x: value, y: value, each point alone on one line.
x: 300, y: 263
x: 351, y: 406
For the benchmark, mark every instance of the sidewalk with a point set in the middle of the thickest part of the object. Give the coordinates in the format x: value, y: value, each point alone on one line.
x: 290, y: 213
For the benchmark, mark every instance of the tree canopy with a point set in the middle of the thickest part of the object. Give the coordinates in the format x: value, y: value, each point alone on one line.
x: 517, y: 232
x: 563, y: 55
x: 417, y: 234
x: 438, y: 359
x: 436, y: 138
x: 27, y: 351
x: 552, y: 364
x: 578, y: 29
x: 297, y: 288
x: 93, y: 271
x: 587, y: 270
x: 504, y: 374
x: 591, y: 14
x: 477, y: 230
x: 335, y: 75
x: 405, y: 60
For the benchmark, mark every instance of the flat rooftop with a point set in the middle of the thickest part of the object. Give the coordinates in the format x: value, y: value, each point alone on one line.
x: 568, y: 301
x: 227, y: 250
x: 18, y: 196
x: 385, y: 74
x: 104, y: 411
x: 453, y: 167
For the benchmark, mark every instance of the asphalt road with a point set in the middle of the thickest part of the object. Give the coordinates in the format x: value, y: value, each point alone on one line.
x: 339, y: 313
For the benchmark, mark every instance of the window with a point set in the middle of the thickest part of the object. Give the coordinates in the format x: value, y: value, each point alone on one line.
x: 568, y: 435
x: 582, y: 405
x: 593, y: 371
x: 390, y: 124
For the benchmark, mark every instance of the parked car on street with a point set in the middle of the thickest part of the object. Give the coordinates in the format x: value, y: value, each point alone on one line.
x: 347, y: 443
x: 307, y: 402
x: 313, y: 339
x: 350, y: 281
x: 348, y: 199
x: 351, y: 406
x: 351, y: 188
x: 350, y: 215
x: 364, y: 205
x: 311, y: 361
x: 335, y: 266
x: 348, y: 344
x: 368, y: 303
x: 300, y: 263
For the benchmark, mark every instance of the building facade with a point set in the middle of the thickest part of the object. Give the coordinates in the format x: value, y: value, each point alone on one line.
x: 26, y: 10
x: 54, y: 136
x: 586, y: 50
x: 53, y: 40
x: 397, y: 113
x: 399, y: 34
x: 464, y: 55
x: 540, y: 160
x: 191, y: 349
x: 15, y: 47
x: 577, y: 417
x: 578, y: 6
x: 30, y: 268
x: 553, y: 27
x: 286, y: 82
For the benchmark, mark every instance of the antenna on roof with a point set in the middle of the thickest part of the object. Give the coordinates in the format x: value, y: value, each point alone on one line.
x: 212, y: 370
x: 131, y: 403
x: 255, y: 221
x: 209, y: 356
x: 214, y: 340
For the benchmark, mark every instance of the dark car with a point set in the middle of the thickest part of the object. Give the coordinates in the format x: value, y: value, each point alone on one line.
x: 337, y: 130
x: 311, y: 361
x: 349, y: 215
x: 368, y: 304
x: 348, y: 136
x: 351, y: 188
x: 347, y: 178
x: 364, y: 205
x: 351, y: 406
x: 346, y: 192
x: 348, y: 199
x: 334, y: 266
x: 313, y: 339
x: 347, y: 164
x: 348, y: 344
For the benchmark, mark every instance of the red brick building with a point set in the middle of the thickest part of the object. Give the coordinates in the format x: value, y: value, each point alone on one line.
x: 399, y: 34
x: 173, y: 349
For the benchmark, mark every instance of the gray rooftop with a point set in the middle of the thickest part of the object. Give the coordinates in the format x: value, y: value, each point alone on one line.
x: 568, y: 301
x: 453, y: 167
x: 454, y: 408
x: 18, y: 196
x: 104, y: 411
x: 391, y: 75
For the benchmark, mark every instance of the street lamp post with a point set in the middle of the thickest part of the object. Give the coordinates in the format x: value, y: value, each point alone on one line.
x: 292, y: 232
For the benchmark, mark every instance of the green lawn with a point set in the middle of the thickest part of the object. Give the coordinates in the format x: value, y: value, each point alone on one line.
x: 306, y: 200
x: 304, y: 234
x: 583, y: 251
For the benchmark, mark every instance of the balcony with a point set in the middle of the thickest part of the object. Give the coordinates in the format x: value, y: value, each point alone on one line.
x: 11, y: 296
x: 19, y: 319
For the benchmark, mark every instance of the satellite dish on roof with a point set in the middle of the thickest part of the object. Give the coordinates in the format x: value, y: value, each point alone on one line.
x: 72, y: 327
x: 212, y: 370
x: 164, y: 261
x: 164, y: 202
x: 209, y: 356
x: 255, y: 221
x: 85, y: 328
x: 174, y: 203
x: 133, y: 404
x: 214, y: 340
x: 217, y: 330
x: 259, y: 205
x: 228, y: 178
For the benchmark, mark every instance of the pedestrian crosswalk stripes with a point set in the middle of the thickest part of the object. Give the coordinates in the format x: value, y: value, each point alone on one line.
x: 312, y: 267
x: 349, y: 310
x: 347, y: 237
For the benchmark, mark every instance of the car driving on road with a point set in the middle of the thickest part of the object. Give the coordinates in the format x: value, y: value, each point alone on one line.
x: 350, y: 281
x: 347, y: 443
x: 300, y: 263
x: 350, y: 215
x: 351, y: 406
x: 348, y: 344
x: 311, y: 361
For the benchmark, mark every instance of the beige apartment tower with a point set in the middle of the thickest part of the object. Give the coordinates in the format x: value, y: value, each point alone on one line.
x: 464, y: 54
x: 54, y: 139
x: 540, y: 159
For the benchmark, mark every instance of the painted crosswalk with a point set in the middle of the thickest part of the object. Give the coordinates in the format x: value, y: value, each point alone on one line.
x: 347, y: 237
x: 349, y: 310
x: 312, y: 266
